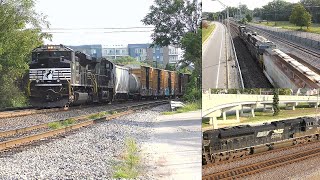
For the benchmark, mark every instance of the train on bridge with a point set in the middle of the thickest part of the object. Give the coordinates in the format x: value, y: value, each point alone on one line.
x: 281, y: 69
x: 235, y: 142
x: 59, y: 76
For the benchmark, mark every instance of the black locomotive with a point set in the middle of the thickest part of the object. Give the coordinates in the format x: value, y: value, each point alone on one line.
x: 255, y: 43
x: 239, y: 141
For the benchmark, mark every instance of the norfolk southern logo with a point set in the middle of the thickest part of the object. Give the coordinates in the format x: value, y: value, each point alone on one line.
x: 48, y: 75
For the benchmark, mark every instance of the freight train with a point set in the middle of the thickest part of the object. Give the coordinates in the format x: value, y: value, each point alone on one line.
x: 59, y: 77
x: 280, y: 68
x: 255, y: 43
x: 240, y: 141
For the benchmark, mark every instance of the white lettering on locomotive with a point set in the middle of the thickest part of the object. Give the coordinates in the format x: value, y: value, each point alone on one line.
x: 263, y: 133
x: 277, y: 133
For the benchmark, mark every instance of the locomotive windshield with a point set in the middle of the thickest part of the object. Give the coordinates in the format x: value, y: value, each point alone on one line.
x: 51, y: 59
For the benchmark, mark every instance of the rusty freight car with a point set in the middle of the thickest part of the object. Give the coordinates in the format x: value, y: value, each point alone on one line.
x: 157, y: 91
x: 145, y: 75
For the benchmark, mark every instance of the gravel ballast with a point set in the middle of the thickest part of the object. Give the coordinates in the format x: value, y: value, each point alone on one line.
x: 31, y: 120
x: 90, y: 153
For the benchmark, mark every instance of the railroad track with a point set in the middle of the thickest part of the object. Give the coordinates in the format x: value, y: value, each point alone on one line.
x: 28, y: 111
x: 252, y: 74
x: 17, y: 137
x: 255, y: 168
x: 212, y: 165
x: 295, y: 46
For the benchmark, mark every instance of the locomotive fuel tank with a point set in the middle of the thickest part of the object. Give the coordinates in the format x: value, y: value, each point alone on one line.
x: 80, y: 98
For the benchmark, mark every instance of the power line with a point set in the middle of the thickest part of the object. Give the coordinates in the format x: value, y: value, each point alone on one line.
x: 68, y: 32
x: 109, y: 28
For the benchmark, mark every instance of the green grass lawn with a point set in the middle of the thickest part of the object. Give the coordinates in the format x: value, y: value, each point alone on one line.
x: 301, y: 110
x: 315, y: 28
x: 206, y: 32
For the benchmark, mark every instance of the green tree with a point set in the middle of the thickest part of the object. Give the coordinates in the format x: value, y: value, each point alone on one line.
x: 248, y: 17
x: 277, y: 10
x: 275, y: 103
x: 244, y: 20
x: 192, y: 45
x: 170, y: 67
x: 313, y: 6
x: 177, y: 22
x: 172, y: 19
x: 300, y: 16
x: 125, y: 60
x: 20, y: 32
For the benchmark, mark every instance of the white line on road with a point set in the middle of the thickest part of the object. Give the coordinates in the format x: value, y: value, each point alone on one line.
x: 217, y: 82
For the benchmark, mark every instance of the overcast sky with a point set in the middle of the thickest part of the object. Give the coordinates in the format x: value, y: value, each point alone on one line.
x: 214, y: 6
x: 96, y: 14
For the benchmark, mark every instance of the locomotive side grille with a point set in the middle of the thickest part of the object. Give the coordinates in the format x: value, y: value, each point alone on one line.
x: 50, y: 74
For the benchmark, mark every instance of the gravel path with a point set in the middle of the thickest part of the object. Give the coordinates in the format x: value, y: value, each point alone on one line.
x: 90, y: 153
x: 174, y: 151
x: 26, y: 121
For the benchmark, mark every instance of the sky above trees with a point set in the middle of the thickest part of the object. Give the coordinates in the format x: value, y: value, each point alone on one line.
x: 214, y: 6
x: 96, y: 14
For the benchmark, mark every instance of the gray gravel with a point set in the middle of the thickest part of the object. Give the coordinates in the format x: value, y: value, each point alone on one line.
x: 26, y: 121
x: 90, y: 153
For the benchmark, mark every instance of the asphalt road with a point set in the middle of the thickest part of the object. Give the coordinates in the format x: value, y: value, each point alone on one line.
x: 214, y: 59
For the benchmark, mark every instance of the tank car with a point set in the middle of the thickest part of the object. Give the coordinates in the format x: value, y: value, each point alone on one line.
x: 239, y: 141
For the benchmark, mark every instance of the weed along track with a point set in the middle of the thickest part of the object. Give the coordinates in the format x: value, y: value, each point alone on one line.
x: 17, y: 137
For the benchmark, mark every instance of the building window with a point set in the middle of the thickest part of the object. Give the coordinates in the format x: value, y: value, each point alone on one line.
x: 161, y: 50
x: 154, y: 50
x: 117, y: 52
x: 161, y: 58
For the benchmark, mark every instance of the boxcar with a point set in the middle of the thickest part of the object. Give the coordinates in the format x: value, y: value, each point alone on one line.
x: 144, y: 73
x: 173, y: 75
x: 156, y: 83
x: 165, y: 82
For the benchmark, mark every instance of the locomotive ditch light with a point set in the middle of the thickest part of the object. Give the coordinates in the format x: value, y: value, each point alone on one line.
x: 37, y: 80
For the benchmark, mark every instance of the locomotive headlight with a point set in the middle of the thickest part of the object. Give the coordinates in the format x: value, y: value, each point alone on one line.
x: 58, y: 80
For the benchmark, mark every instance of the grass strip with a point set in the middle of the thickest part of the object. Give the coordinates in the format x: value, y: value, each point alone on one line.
x: 206, y: 32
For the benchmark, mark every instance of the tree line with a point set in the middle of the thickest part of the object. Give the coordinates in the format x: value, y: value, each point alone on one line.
x: 300, y: 14
x: 20, y: 32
